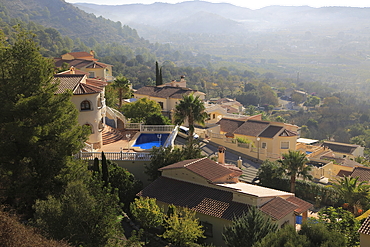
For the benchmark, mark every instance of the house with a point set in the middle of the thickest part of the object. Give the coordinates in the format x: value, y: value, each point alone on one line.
x: 365, y: 233
x: 88, y: 98
x: 344, y: 150
x: 215, y: 193
x: 167, y: 97
x: 362, y: 173
x: 86, y: 62
x: 174, y: 83
x: 270, y: 138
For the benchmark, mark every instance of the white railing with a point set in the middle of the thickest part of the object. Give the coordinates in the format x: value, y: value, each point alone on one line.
x: 132, y: 126
x: 115, y: 156
x: 171, y: 138
x: 157, y: 128
x: 118, y: 114
x: 88, y: 147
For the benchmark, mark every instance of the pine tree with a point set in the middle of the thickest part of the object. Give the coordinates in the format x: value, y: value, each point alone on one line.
x: 249, y: 229
x: 39, y: 129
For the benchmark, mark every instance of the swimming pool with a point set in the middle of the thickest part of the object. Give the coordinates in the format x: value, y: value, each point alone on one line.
x: 147, y: 141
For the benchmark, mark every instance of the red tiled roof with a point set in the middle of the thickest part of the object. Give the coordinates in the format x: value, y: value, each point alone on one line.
x: 74, y: 83
x: 278, y: 208
x: 303, y: 206
x: 362, y: 173
x: 79, y: 63
x: 229, y: 125
x: 271, y: 131
x: 251, y: 128
x: 204, y: 167
x: 67, y: 82
x: 343, y: 173
x: 164, y: 92
x: 365, y: 227
x: 340, y: 147
x: 96, y: 65
x: 202, y: 199
x: 80, y: 54
x: 288, y: 133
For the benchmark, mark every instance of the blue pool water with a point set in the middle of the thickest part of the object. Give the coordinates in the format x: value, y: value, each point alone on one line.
x: 147, y: 141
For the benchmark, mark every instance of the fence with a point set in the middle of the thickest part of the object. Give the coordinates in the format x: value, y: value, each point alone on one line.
x: 157, y: 128
x: 115, y: 156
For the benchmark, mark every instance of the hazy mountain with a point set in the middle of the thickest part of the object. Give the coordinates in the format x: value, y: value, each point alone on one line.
x: 68, y: 20
x: 220, y: 18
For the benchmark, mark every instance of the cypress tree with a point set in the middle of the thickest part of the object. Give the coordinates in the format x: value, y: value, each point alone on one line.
x: 157, y: 81
x: 160, y: 77
x: 104, y: 169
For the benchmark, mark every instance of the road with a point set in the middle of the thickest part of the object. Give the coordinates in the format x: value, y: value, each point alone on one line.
x: 250, y: 168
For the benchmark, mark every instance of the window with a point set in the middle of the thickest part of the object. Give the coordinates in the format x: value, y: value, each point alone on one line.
x: 91, y: 74
x: 214, y: 116
x: 85, y: 105
x: 264, y: 145
x: 207, y: 227
x: 161, y: 104
x: 284, y: 145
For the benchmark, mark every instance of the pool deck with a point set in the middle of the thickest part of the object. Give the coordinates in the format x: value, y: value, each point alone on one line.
x: 120, y: 145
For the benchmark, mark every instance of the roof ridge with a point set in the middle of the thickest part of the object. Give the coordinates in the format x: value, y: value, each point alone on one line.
x: 195, y: 161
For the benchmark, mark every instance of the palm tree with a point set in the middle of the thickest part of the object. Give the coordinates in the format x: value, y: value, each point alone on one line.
x: 353, y: 192
x: 294, y: 164
x: 123, y: 85
x: 192, y: 109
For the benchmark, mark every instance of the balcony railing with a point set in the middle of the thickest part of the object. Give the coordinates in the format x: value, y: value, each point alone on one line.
x: 115, y: 156
x: 157, y: 128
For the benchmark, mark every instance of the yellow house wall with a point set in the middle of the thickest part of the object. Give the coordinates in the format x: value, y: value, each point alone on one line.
x: 364, y: 240
x: 290, y: 218
x: 92, y: 117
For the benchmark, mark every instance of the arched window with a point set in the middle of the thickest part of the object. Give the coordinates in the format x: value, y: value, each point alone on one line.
x: 85, y: 105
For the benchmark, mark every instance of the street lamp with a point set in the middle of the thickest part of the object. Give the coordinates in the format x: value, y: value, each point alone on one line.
x: 128, y: 142
x: 258, y: 148
x: 159, y: 136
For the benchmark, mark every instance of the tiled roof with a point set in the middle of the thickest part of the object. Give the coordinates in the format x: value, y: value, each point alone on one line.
x: 204, y: 167
x: 96, y: 65
x: 288, y: 133
x: 67, y: 82
x: 80, y: 54
x: 303, y: 206
x: 202, y: 199
x: 340, y: 147
x: 362, y: 173
x: 74, y: 83
x: 365, y: 227
x: 251, y: 128
x: 278, y: 208
x: 343, y: 173
x: 164, y: 92
x: 229, y: 125
x: 271, y: 131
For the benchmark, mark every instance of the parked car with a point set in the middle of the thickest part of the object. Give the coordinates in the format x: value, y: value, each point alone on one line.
x: 185, y: 130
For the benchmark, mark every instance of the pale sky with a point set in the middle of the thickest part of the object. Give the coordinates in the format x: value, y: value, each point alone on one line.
x: 252, y: 4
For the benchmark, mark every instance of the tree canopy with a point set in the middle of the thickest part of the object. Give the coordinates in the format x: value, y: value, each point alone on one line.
x: 138, y: 110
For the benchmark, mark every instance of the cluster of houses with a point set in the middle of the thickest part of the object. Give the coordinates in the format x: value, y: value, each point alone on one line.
x: 212, y: 189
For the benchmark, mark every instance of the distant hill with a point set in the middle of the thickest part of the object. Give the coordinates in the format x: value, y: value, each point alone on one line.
x: 223, y: 18
x: 68, y: 20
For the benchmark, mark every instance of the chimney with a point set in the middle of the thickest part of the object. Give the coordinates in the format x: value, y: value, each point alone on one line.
x: 72, y: 70
x: 221, y: 155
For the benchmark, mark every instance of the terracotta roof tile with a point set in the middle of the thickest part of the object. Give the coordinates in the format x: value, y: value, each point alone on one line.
x: 67, y: 82
x: 288, y: 133
x: 362, y: 173
x: 365, y: 227
x: 78, y: 54
x: 278, y: 208
x: 271, y: 131
x: 229, y: 125
x: 251, y: 128
x: 202, y: 199
x: 343, y: 173
x: 204, y: 167
x: 340, y: 147
x: 303, y: 206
